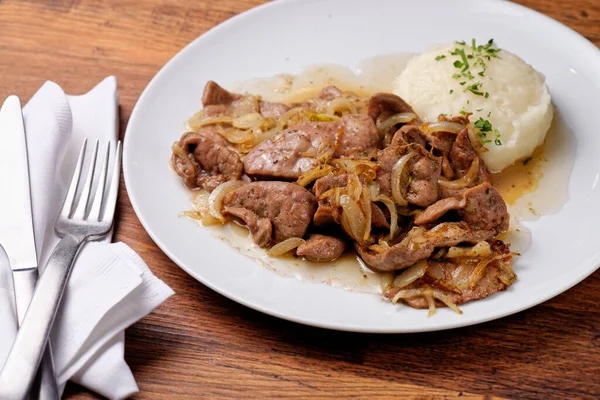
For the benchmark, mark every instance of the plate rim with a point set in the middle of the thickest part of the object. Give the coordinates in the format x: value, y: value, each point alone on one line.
x: 349, y: 327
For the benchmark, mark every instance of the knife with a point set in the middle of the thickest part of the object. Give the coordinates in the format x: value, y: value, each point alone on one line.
x: 16, y: 227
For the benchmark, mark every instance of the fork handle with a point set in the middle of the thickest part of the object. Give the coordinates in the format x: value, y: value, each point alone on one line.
x: 44, y: 386
x: 21, y: 366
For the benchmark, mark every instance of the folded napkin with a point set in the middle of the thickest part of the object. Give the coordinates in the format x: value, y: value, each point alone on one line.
x: 111, y: 287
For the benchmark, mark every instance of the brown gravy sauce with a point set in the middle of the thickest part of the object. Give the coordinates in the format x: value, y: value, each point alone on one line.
x: 531, y: 189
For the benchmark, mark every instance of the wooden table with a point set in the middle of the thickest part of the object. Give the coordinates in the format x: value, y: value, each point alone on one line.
x: 200, y: 344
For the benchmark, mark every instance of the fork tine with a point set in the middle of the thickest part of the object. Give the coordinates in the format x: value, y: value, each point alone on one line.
x: 109, y: 210
x: 87, y: 187
x: 99, y: 196
x: 74, y: 185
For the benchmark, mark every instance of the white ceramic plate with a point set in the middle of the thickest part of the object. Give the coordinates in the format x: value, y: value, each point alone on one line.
x: 287, y: 36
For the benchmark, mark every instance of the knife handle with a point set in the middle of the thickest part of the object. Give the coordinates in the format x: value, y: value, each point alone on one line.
x: 21, y: 366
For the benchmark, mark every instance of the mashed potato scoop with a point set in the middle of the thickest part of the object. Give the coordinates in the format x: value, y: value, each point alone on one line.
x: 511, y: 105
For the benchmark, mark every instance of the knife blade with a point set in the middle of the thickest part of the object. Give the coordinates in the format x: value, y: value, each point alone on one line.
x: 16, y: 229
x: 16, y: 225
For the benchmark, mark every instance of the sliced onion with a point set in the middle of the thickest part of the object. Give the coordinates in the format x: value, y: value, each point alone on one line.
x: 200, y: 202
x: 195, y: 215
x: 182, y: 164
x: 205, y: 219
x: 387, y: 278
x: 246, y: 105
x: 331, y: 192
x: 325, y: 152
x: 339, y: 104
x: 354, y: 187
x: 397, y: 179
x: 435, y: 271
x: 350, y: 165
x: 389, y: 203
x: 215, y: 200
x: 195, y: 125
x: 316, y: 172
x: 353, y: 219
x: 481, y: 249
x: 284, y: 119
x: 248, y: 121
x: 446, y: 300
x: 318, y: 117
x: 443, y: 126
x: 201, y: 210
x: 209, y: 220
x: 282, y: 122
x: 366, y: 169
x: 407, y: 294
x: 465, y: 180
x: 374, y: 189
x: 411, y: 274
x: 428, y: 294
x: 381, y: 247
x: 237, y: 136
x: 459, y: 278
x: 400, y: 118
x: 285, y: 247
x: 366, y: 203
x: 261, y: 137
x: 506, y: 273
x: 479, y: 270
x: 476, y: 141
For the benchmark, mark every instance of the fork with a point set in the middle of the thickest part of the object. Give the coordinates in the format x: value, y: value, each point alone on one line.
x: 76, y: 225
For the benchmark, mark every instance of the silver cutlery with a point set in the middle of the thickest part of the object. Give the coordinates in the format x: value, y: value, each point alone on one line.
x: 16, y: 226
x: 86, y: 218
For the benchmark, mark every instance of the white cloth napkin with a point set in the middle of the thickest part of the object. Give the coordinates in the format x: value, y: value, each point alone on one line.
x: 111, y: 287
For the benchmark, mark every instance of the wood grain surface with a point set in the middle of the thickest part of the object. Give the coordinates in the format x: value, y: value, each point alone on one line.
x: 202, y: 345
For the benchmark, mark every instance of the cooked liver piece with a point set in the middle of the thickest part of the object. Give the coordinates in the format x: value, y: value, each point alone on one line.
x: 424, y: 169
x: 289, y: 208
x: 260, y: 229
x: 294, y: 151
x: 486, y: 286
x: 321, y: 248
x: 326, y: 213
x: 419, y: 244
x: 485, y: 209
x: 218, y: 101
x: 272, y: 110
x: 482, y: 207
x: 409, y: 134
x: 214, y: 161
x: 378, y: 217
x: 359, y: 137
x: 462, y: 156
x: 214, y: 94
x: 387, y: 104
x: 438, y: 210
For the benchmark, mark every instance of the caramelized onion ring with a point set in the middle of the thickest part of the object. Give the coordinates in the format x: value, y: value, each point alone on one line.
x: 397, y: 179
x: 285, y: 247
x: 215, y: 200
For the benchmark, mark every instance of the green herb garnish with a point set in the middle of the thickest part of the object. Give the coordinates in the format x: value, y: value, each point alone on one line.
x: 497, y: 140
x: 478, y: 54
x: 483, y: 125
